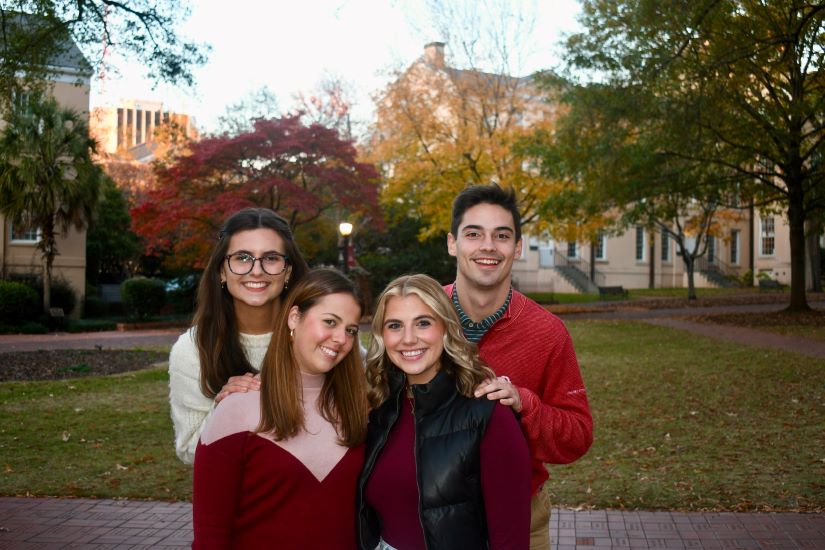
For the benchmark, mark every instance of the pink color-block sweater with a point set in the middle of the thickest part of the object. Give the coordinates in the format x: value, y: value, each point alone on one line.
x: 251, y: 491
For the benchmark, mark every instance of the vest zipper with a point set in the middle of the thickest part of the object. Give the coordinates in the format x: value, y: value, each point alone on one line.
x: 417, y: 478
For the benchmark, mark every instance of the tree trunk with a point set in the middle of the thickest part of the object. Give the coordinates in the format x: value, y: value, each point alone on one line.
x: 796, y: 220
x: 689, y: 267
x: 814, y: 256
x: 47, y: 286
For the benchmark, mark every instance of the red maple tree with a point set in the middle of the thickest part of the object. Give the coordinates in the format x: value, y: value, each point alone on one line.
x: 301, y: 172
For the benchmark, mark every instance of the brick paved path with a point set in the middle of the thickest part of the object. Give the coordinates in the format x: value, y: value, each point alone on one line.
x: 96, y: 524
x: 111, y: 339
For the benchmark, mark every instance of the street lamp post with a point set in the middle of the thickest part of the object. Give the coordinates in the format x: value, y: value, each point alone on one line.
x: 345, y: 228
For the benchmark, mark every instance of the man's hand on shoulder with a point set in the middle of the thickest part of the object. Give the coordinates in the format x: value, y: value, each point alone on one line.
x: 500, y: 389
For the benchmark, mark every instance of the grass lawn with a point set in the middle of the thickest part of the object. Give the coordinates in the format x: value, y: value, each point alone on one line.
x: 103, y: 437
x: 685, y: 422
x: 682, y: 422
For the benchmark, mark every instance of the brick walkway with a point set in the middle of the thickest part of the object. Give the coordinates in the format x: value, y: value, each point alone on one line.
x: 97, y: 524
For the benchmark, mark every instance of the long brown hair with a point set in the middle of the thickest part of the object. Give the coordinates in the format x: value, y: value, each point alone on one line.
x: 343, y: 396
x: 459, y: 358
x: 216, y: 335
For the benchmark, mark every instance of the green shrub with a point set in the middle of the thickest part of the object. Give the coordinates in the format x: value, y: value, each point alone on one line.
x: 29, y: 327
x: 18, y: 303
x: 143, y: 297
x: 90, y: 325
x: 94, y: 306
x: 62, y: 293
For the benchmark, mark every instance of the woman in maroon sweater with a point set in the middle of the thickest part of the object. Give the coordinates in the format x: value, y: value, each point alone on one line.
x: 443, y: 469
x: 278, y: 468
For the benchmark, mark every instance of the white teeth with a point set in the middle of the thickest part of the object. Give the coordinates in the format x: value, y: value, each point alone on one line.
x: 329, y: 352
x: 255, y: 284
x: 413, y: 353
x: 487, y: 262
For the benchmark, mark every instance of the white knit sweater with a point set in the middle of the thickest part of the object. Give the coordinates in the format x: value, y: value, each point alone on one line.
x: 190, y: 408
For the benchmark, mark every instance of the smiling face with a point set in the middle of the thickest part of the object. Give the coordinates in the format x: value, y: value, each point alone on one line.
x: 324, y: 334
x: 485, y: 247
x: 414, y: 337
x: 256, y: 289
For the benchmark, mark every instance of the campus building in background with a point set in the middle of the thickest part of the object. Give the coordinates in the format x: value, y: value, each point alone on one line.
x: 70, y: 80
x: 134, y: 128
x: 743, y: 241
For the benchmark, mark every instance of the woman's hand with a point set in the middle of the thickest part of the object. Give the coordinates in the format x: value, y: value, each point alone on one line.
x: 502, y: 389
x: 242, y: 384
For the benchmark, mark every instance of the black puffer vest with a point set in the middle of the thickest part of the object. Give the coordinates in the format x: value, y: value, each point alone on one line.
x: 448, y: 432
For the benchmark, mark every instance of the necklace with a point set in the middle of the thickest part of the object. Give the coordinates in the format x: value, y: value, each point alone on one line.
x: 411, y: 400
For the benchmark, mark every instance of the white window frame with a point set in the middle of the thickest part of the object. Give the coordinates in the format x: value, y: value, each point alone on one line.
x: 26, y: 237
x: 735, y: 246
x: 601, y: 246
x: 666, y: 249
x: 575, y: 247
x: 767, y: 233
x: 640, y: 231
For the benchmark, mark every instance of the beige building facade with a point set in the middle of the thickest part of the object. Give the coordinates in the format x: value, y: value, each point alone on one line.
x: 742, y: 243
x: 69, y: 84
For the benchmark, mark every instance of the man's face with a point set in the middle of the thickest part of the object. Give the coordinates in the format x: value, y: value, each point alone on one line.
x: 485, y: 246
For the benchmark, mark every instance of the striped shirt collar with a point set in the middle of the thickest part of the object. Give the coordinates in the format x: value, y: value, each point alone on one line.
x: 472, y: 330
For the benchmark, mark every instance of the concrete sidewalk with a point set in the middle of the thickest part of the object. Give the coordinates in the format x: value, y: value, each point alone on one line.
x: 111, y: 339
x: 96, y: 524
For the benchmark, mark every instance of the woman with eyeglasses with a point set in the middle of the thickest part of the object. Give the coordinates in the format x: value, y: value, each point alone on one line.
x: 247, y: 278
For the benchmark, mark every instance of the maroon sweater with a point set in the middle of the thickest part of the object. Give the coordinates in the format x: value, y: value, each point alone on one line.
x: 253, y: 492
x: 392, y: 489
x: 532, y: 347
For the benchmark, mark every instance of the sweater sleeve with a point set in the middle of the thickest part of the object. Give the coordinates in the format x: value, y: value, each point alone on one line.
x: 505, y: 481
x: 557, y: 422
x: 216, y: 491
x: 189, y: 407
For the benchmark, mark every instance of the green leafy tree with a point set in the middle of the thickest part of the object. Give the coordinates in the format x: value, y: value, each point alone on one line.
x: 36, y: 35
x: 742, y: 78
x: 47, y: 178
x: 611, y: 157
x: 111, y: 246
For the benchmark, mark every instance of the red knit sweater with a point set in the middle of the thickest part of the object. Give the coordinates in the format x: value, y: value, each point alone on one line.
x: 532, y: 347
x: 253, y: 492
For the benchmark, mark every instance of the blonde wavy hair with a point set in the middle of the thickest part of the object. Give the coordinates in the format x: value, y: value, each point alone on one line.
x: 459, y: 358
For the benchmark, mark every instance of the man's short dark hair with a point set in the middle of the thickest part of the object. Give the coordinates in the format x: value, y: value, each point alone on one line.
x: 485, y: 194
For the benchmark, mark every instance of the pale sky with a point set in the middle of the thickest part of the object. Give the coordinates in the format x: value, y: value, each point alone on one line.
x: 290, y: 46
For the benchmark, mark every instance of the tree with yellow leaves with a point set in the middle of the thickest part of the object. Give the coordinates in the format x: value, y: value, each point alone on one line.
x: 440, y: 129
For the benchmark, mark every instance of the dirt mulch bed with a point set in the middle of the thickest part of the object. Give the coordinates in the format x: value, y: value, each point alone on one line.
x: 60, y: 364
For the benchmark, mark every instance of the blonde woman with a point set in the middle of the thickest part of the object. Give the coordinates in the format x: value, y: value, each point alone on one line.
x: 443, y: 469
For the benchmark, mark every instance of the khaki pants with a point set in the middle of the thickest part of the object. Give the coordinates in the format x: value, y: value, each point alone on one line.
x: 540, y: 521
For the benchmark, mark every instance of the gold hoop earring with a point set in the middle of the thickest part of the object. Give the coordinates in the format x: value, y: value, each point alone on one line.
x: 292, y: 334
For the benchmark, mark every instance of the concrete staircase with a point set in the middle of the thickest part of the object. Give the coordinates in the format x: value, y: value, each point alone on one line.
x: 577, y: 279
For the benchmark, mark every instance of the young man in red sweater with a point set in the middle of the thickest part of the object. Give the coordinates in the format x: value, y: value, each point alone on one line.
x: 528, y: 347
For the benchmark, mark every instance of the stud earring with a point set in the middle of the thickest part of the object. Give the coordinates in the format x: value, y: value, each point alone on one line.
x: 223, y: 285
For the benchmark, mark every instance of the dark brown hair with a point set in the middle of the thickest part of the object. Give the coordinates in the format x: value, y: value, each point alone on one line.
x: 485, y: 194
x: 343, y: 400
x: 219, y: 345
